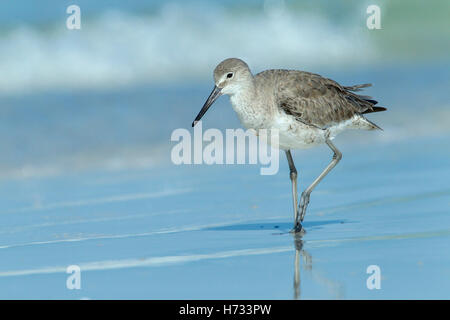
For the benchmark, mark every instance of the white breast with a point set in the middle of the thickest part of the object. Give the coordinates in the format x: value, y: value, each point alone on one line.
x: 251, y: 117
x: 296, y: 135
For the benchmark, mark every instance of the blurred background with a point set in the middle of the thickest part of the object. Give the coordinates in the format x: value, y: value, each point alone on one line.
x: 106, y: 95
x: 86, y: 117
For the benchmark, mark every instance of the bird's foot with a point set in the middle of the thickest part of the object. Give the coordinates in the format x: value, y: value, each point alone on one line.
x: 298, y: 229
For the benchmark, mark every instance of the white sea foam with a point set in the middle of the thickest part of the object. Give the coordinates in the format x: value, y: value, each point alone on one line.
x: 176, y: 43
x: 179, y: 259
x: 110, y: 199
x: 148, y: 262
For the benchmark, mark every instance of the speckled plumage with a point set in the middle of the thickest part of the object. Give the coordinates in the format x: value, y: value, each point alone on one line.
x: 313, y: 99
x: 306, y: 109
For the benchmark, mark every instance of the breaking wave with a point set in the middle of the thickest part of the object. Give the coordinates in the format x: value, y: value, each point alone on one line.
x: 174, y: 43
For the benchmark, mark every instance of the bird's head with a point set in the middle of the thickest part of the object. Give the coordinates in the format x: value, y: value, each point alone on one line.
x: 230, y: 76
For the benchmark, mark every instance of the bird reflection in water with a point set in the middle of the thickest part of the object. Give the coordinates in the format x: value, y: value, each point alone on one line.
x: 307, y: 263
x: 303, y: 260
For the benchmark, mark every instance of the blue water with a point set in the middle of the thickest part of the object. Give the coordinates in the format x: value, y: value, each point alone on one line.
x: 86, y: 177
x: 172, y: 233
x: 163, y: 43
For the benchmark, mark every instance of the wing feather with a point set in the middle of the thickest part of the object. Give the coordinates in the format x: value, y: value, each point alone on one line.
x: 315, y: 100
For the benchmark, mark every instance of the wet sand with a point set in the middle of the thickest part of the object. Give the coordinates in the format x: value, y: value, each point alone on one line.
x: 218, y: 232
x: 96, y: 188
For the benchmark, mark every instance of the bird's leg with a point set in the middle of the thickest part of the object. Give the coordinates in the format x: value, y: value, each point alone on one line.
x: 337, y: 156
x: 293, y: 176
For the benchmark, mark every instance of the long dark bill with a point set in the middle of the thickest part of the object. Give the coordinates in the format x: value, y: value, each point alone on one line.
x: 212, y: 97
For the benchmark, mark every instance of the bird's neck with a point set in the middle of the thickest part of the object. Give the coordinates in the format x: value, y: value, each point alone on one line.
x: 244, y: 104
x: 243, y: 95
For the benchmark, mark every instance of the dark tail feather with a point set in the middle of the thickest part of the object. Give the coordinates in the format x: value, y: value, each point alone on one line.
x: 375, y: 109
x: 358, y: 87
x: 371, y: 101
x: 365, y: 102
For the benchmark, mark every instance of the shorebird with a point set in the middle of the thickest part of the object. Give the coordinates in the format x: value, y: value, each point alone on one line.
x: 306, y: 109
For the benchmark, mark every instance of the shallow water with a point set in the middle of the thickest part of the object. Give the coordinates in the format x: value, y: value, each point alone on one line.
x: 87, y: 180
x: 86, y: 177
x: 222, y: 232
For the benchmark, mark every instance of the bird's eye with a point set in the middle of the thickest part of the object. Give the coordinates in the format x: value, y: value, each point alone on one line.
x: 229, y: 75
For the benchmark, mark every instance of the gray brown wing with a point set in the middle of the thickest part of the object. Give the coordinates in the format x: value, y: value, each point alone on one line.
x: 318, y: 101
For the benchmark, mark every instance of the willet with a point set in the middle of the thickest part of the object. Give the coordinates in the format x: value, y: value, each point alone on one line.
x: 306, y: 109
